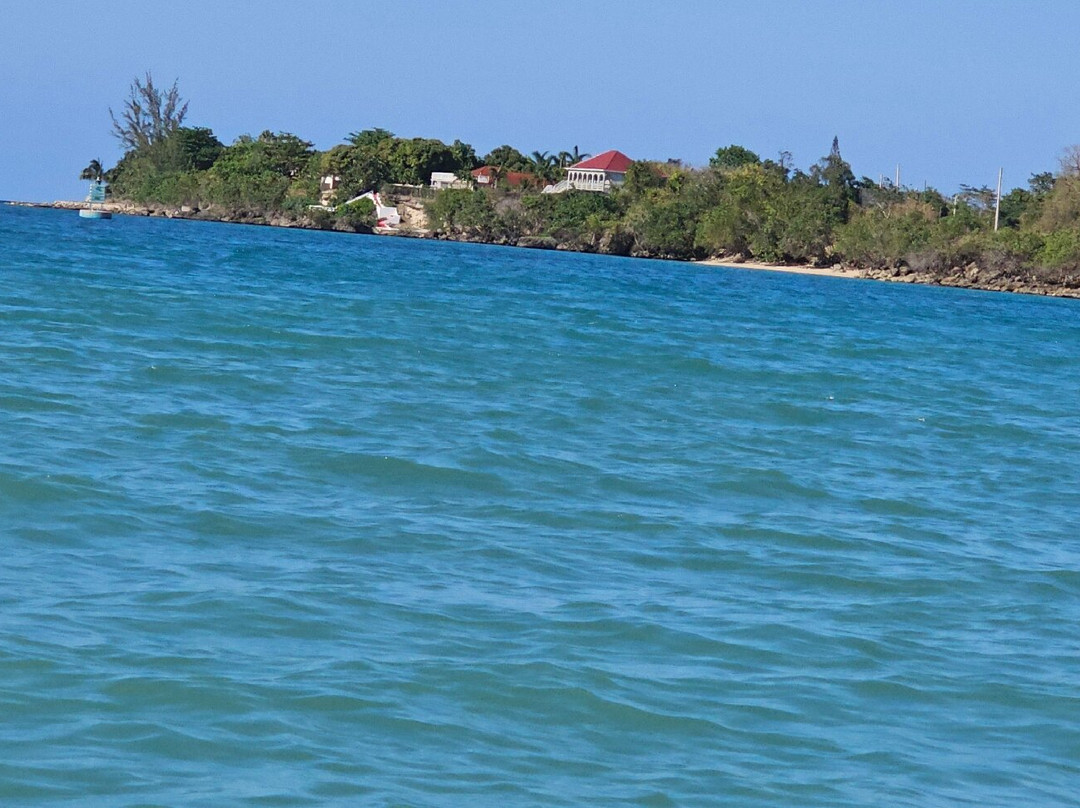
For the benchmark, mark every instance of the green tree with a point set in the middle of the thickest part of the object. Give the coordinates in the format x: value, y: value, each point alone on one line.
x: 883, y: 236
x: 1061, y: 209
x: 358, y: 215
x: 463, y: 211
x: 369, y: 138
x: 194, y: 148
x: 361, y: 170
x: 745, y: 220
x: 661, y: 226
x: 412, y: 161
x: 1041, y: 184
x: 284, y: 153
x: 575, y: 156
x: 732, y: 157
x: 642, y: 177
x: 464, y: 156
x: 1015, y: 205
x: 507, y: 157
x: 93, y: 172
x: 543, y: 165
x: 834, y: 173
x: 249, y: 175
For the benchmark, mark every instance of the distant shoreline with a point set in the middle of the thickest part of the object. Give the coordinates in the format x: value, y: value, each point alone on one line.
x: 969, y: 277
x: 794, y: 269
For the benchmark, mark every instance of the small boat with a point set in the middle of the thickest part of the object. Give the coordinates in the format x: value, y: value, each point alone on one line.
x: 95, y: 197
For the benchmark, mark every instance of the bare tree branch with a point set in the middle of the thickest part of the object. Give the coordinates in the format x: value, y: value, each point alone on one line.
x: 1070, y: 161
x: 148, y: 115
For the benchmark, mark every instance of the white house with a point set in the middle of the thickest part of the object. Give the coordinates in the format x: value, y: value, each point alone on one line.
x: 446, y: 179
x: 327, y: 185
x: 598, y: 173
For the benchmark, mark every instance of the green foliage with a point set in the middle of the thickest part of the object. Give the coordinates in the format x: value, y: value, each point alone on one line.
x: 1015, y: 205
x: 464, y: 156
x: 763, y: 209
x: 1041, y: 184
x: 321, y: 218
x: 641, y: 177
x: 250, y: 174
x: 508, y: 158
x: 369, y: 138
x: 358, y: 215
x: 1061, y: 248
x: 569, y: 158
x: 360, y: 170
x: 733, y: 157
x: 284, y: 153
x: 563, y: 215
x: 460, y: 210
x: 884, y: 236
x: 374, y: 157
x: 744, y: 220
x: 93, y: 171
x: 544, y: 165
x: 661, y: 226
x: 1061, y: 206
x: 411, y: 162
x: 192, y: 149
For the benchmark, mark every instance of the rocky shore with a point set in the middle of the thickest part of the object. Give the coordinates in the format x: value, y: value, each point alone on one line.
x: 1014, y: 279
x: 1017, y: 280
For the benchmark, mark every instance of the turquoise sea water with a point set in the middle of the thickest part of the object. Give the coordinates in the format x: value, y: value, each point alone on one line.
x: 296, y: 518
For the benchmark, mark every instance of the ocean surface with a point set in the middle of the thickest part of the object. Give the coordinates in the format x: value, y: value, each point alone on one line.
x: 305, y: 519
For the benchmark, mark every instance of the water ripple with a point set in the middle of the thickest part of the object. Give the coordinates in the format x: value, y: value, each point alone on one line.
x: 302, y: 519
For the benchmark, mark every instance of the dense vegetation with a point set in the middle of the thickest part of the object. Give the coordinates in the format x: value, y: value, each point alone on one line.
x: 738, y: 205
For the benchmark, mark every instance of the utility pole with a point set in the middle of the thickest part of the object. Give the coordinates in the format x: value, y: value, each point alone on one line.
x: 898, y: 176
x: 997, y: 204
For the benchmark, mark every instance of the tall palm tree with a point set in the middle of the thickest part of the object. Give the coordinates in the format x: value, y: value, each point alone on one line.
x: 577, y: 156
x: 563, y: 159
x: 93, y: 171
x: 543, y: 165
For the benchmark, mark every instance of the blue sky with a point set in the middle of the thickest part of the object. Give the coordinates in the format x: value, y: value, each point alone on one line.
x: 950, y: 89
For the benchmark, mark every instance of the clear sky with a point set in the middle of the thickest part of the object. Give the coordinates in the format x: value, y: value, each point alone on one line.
x: 949, y: 89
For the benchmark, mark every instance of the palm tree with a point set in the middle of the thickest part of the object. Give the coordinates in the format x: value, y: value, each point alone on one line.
x: 563, y: 159
x: 93, y: 172
x: 577, y: 156
x: 543, y: 165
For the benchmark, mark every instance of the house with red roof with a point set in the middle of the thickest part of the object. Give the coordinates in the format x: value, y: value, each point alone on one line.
x: 486, y: 176
x: 598, y: 173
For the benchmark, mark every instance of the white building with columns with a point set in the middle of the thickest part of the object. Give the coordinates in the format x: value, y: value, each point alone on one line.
x: 598, y: 174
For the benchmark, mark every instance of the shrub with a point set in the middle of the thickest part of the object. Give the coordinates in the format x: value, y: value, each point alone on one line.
x: 358, y: 215
x: 1061, y: 248
x: 885, y: 235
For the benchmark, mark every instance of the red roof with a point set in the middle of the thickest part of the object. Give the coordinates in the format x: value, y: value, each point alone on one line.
x: 513, y: 178
x: 608, y: 161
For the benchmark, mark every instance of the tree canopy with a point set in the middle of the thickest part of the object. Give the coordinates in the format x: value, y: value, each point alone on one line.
x: 732, y: 157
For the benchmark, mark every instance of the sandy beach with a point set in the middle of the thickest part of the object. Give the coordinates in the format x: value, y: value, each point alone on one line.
x: 797, y: 269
